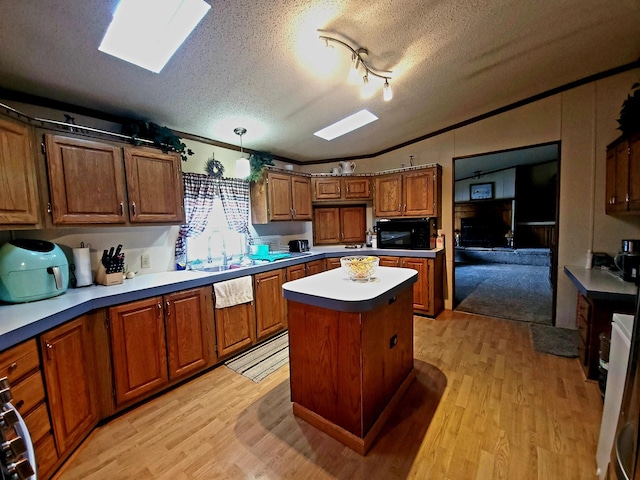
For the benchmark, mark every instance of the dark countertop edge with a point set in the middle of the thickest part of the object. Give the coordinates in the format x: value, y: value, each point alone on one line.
x: 25, y: 332
x: 596, y: 294
x: 350, y: 306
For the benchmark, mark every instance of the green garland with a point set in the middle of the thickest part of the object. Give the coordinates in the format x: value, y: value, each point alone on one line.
x: 258, y: 160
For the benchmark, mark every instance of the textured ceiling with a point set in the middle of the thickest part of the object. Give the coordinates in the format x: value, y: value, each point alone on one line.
x: 254, y: 63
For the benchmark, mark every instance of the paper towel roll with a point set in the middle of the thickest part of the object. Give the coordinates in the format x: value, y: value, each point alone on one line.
x: 82, y: 261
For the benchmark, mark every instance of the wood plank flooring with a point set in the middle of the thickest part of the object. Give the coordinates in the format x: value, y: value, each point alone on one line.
x: 484, y: 405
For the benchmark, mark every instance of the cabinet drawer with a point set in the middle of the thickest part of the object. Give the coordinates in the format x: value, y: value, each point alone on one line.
x: 18, y: 361
x: 46, y: 456
x: 38, y: 423
x: 28, y: 393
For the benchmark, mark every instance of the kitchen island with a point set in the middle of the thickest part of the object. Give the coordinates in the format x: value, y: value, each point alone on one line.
x: 350, y: 350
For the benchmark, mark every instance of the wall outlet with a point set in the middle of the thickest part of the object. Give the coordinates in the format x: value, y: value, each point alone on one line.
x: 145, y: 260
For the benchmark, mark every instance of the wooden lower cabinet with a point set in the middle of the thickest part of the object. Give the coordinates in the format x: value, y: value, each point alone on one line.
x: 270, y: 304
x: 69, y: 373
x: 333, y: 263
x: 21, y: 365
x: 428, y: 291
x: 138, y: 349
x: 235, y: 329
x: 158, y: 340
x: 296, y: 271
x: 189, y: 327
x: 314, y: 267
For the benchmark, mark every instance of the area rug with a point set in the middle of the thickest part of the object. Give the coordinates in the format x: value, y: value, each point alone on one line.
x: 262, y: 360
x: 562, y: 342
x: 513, y: 292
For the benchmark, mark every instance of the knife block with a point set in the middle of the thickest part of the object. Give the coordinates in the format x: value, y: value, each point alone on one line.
x: 104, y: 278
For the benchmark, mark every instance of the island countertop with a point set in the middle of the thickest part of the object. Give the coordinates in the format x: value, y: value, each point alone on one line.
x: 334, y: 290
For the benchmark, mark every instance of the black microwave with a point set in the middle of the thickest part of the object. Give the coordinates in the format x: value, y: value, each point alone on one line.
x: 407, y: 234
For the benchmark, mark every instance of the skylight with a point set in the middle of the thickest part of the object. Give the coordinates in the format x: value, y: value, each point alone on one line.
x: 346, y: 125
x: 148, y: 32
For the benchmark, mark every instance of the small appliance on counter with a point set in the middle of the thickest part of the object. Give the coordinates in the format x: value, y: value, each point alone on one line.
x: 628, y: 260
x: 299, y: 246
x: 32, y: 270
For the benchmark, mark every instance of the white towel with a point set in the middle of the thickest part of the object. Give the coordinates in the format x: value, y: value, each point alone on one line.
x: 233, y: 292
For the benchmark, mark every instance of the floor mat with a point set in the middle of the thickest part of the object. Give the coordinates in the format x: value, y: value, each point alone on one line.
x: 262, y: 360
x: 562, y: 342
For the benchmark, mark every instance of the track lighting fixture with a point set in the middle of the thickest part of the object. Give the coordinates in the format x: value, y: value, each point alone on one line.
x: 358, y: 61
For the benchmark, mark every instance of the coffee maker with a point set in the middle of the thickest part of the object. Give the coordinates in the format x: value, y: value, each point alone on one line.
x: 628, y: 260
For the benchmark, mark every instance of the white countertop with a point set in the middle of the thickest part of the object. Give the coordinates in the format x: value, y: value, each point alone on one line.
x: 601, y: 284
x: 334, y: 290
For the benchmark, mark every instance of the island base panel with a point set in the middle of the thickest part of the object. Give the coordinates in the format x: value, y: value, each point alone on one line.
x: 354, y: 442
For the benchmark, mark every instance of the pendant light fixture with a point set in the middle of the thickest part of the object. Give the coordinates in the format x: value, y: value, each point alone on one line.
x: 243, y: 167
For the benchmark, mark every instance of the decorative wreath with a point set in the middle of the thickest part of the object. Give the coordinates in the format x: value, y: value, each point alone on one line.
x: 214, y: 168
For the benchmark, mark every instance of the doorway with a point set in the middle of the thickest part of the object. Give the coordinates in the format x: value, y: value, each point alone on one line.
x: 506, y: 232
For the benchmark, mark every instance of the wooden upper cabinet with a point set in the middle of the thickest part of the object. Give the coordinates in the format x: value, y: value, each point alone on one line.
x: 280, y: 197
x: 138, y: 349
x: 415, y: 193
x: 353, y: 224
x: 418, y: 193
x: 86, y: 180
x: 327, y: 188
x: 154, y: 185
x: 270, y: 305
x: 301, y: 198
x: 341, y: 188
x: 623, y: 176
x: 189, y: 327
x: 69, y: 372
x: 357, y: 188
x: 333, y: 225
x: 18, y: 187
x: 388, y: 196
x: 326, y: 226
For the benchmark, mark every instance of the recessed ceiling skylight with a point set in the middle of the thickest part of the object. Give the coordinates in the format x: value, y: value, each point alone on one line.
x: 346, y: 125
x: 148, y: 32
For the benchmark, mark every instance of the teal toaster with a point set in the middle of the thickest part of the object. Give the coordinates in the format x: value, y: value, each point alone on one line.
x: 32, y: 270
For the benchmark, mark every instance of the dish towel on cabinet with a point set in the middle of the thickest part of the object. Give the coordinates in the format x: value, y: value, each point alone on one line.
x: 233, y: 292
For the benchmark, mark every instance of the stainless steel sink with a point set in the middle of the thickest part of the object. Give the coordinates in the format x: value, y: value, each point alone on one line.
x: 215, y: 268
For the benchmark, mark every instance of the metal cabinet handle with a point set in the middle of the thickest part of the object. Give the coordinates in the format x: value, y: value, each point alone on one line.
x: 122, y: 209
x: 405, y: 207
x: 168, y: 308
x: 49, y: 349
x: 133, y: 206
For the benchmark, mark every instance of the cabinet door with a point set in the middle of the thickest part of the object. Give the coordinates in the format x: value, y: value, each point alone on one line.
x: 357, y: 188
x: 388, y: 196
x: 270, y: 306
x: 353, y: 224
x: 279, y: 191
x: 69, y: 373
x: 326, y: 226
x: 386, y: 261
x: 622, y: 177
x: 314, y: 267
x: 634, y: 172
x: 418, y: 193
x: 301, y: 197
x: 154, y: 185
x: 189, y: 323
x: 326, y: 188
x: 610, y: 185
x: 86, y: 179
x: 235, y: 329
x: 333, y: 263
x: 18, y: 197
x: 138, y: 348
x: 296, y: 271
x: 421, y: 300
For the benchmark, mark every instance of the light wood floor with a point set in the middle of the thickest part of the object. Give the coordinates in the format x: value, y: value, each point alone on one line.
x: 484, y: 406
